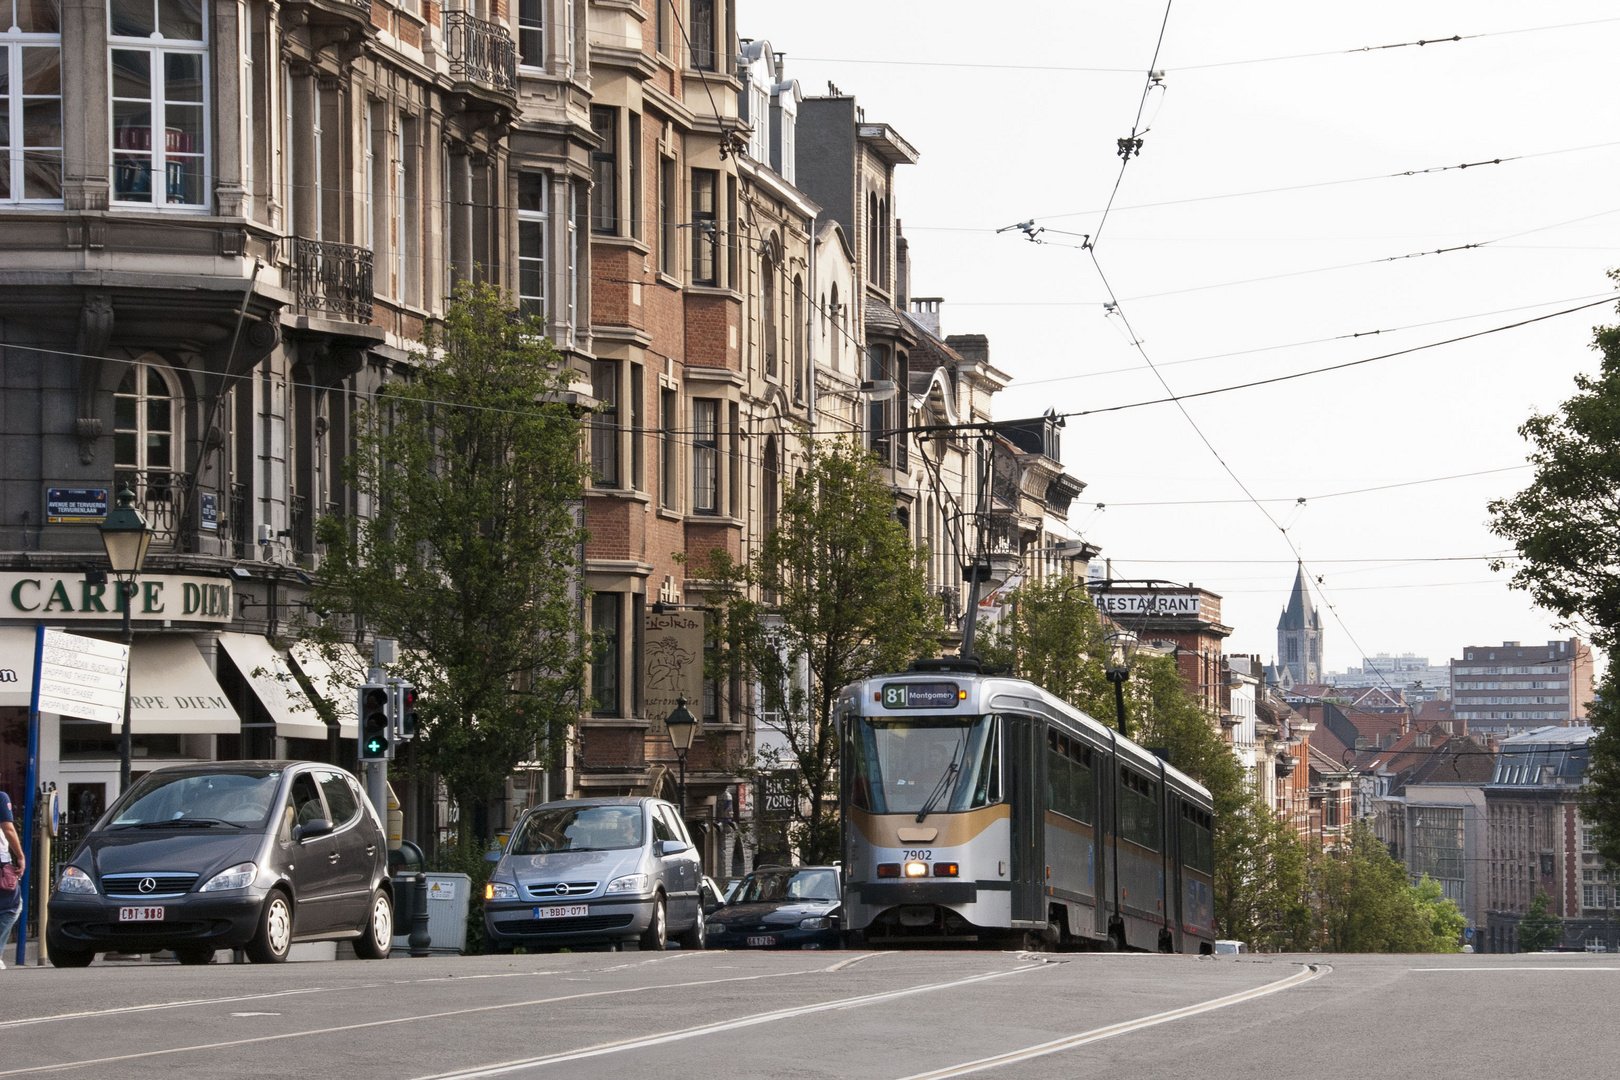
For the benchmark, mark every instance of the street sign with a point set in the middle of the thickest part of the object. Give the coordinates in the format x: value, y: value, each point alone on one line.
x: 83, y: 677
x: 75, y: 506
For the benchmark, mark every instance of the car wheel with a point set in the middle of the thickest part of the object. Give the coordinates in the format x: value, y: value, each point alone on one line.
x: 274, y: 940
x: 200, y: 954
x: 695, y: 938
x: 656, y: 936
x: 377, y: 939
x: 70, y: 958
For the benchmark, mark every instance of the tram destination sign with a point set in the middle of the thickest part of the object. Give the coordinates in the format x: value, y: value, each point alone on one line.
x: 925, y: 695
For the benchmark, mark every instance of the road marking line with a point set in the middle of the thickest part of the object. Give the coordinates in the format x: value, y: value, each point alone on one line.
x: 1314, y: 971
x: 58, y: 1067
x: 852, y: 961
x: 126, y: 1009
x: 715, y: 1028
x: 1516, y: 967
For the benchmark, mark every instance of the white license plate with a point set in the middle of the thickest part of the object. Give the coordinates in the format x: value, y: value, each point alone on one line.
x: 562, y: 911
x: 140, y: 914
x: 756, y: 942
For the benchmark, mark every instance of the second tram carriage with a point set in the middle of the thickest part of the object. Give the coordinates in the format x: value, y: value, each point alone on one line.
x: 982, y: 808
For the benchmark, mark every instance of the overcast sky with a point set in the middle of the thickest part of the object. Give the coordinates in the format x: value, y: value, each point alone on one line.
x: 1002, y: 143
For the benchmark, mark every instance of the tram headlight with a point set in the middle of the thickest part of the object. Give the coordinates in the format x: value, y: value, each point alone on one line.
x: 916, y: 869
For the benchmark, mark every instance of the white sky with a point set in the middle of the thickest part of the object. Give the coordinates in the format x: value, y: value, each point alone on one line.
x: 1001, y: 146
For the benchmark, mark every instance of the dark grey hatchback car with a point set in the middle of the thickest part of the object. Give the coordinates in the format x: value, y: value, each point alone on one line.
x: 255, y: 855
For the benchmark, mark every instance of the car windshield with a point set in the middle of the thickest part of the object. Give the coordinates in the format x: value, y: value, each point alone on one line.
x: 241, y: 798
x: 578, y: 828
x: 818, y: 884
x: 905, y: 765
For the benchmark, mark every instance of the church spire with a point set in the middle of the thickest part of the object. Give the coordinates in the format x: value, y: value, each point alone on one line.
x: 1299, y: 633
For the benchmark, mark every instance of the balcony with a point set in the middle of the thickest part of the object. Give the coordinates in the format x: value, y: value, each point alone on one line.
x: 332, y: 279
x: 335, y: 21
x: 481, y: 53
x: 160, y: 496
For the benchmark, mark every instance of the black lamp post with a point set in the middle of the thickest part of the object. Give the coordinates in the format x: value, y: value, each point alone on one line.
x: 682, y: 727
x: 1122, y: 646
x: 126, y: 536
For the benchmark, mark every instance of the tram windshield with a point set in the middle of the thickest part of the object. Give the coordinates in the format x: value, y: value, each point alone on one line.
x: 938, y: 763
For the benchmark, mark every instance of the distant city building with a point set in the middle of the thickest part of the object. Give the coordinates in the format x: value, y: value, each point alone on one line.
x: 1299, y: 636
x: 1415, y: 676
x: 1538, y: 842
x: 1513, y: 687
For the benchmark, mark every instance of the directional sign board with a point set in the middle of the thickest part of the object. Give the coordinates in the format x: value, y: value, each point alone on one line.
x: 83, y: 677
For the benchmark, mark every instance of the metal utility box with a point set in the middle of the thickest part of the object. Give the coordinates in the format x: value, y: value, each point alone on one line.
x: 447, y: 915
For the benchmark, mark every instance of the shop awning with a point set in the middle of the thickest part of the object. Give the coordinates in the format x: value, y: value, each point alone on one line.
x: 275, y: 686
x: 16, y: 665
x: 172, y: 692
x: 338, y: 685
x: 171, y: 689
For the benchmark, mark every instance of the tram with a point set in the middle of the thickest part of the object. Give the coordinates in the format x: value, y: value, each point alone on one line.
x: 980, y: 808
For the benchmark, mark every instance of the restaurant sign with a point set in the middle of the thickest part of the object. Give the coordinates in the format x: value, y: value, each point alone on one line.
x: 1179, y: 605
x: 43, y: 596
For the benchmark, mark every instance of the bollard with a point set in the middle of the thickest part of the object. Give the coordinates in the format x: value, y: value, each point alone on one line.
x: 420, y: 939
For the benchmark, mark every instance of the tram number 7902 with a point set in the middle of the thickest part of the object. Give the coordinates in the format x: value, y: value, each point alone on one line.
x: 924, y: 854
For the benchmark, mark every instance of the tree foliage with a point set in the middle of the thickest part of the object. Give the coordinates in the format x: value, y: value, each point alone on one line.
x: 470, y: 553
x: 835, y: 594
x: 1566, y: 524
x: 1600, y: 796
x: 1367, y: 903
x: 1261, y: 868
x: 1540, y: 928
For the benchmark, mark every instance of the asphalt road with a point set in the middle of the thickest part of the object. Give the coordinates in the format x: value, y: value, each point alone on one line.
x: 805, y: 1015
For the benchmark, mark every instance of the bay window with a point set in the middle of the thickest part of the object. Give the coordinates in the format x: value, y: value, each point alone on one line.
x: 30, y: 101
x: 158, y: 58
x: 532, y: 244
x: 705, y: 456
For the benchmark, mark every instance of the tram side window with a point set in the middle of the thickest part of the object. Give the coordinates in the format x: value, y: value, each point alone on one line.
x: 1197, y: 839
x: 1069, y: 786
x: 1138, y: 809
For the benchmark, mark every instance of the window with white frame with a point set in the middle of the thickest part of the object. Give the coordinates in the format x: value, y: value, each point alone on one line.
x: 531, y: 33
x: 532, y: 244
x: 147, y: 428
x: 158, y: 57
x: 30, y: 101
x: 705, y: 455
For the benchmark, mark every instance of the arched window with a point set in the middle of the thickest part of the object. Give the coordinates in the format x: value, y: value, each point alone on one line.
x: 882, y: 273
x: 798, y: 331
x: 872, y: 238
x: 769, y: 488
x: 147, y: 431
x: 767, y: 292
x: 837, y: 326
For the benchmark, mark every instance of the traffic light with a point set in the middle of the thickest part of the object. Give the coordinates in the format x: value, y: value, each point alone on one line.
x: 376, y: 722
x: 405, y: 717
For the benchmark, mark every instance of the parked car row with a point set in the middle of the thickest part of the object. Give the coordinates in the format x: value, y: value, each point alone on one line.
x: 260, y: 855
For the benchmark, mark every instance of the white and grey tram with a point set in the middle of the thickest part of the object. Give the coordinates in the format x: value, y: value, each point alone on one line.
x: 980, y: 808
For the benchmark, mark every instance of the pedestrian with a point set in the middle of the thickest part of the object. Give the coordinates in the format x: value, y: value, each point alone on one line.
x: 12, y: 864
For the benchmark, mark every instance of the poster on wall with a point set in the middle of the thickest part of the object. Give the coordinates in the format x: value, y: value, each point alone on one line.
x: 672, y: 665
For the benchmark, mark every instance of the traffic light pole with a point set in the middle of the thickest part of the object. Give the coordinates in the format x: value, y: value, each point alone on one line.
x: 376, y: 772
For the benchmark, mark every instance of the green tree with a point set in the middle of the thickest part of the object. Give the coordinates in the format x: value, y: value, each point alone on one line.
x: 1260, y: 880
x: 1566, y: 529
x: 1368, y: 904
x: 1053, y: 636
x: 470, y: 555
x: 836, y: 593
x: 1540, y: 928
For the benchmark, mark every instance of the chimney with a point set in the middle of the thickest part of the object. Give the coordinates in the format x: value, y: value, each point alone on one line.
x: 925, y: 310
x: 974, y: 348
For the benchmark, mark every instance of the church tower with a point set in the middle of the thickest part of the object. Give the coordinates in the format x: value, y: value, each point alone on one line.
x: 1299, y: 635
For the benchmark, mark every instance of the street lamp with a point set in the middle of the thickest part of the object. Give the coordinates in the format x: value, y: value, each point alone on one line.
x: 126, y: 536
x: 682, y: 727
x: 1122, y: 646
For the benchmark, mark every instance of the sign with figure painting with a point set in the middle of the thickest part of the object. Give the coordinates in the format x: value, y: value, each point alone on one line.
x: 672, y: 664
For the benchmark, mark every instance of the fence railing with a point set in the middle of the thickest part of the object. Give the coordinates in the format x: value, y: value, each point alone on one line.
x: 333, y: 278
x: 480, y: 52
x: 160, y: 496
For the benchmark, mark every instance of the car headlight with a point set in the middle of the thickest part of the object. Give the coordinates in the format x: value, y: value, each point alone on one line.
x: 239, y: 876
x: 500, y: 890
x: 75, y: 882
x: 631, y: 883
x: 815, y: 924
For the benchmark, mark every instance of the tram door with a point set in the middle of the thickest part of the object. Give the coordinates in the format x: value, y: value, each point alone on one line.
x: 1024, y: 787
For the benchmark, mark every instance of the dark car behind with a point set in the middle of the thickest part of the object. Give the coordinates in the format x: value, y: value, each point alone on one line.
x: 781, y: 907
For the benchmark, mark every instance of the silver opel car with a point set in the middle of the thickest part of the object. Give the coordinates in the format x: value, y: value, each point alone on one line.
x: 596, y: 871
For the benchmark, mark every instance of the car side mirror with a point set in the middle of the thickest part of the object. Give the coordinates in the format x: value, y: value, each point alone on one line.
x: 312, y: 828
x: 672, y: 847
x: 493, y: 856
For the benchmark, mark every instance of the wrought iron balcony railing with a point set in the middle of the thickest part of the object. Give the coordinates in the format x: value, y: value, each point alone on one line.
x: 160, y: 496
x: 333, y: 278
x: 480, y: 52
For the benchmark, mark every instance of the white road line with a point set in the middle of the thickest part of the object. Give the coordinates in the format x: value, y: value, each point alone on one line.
x: 714, y: 1029
x: 1516, y: 967
x: 124, y: 1010
x: 1314, y: 971
x: 60, y: 1066
x: 852, y: 961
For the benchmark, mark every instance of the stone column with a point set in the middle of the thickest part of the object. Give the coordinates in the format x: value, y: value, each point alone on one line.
x: 86, y: 141
x: 225, y: 58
